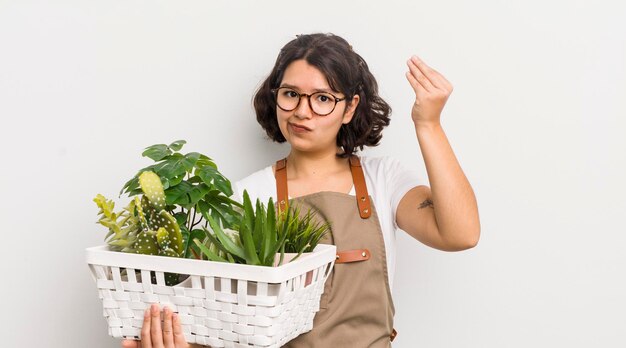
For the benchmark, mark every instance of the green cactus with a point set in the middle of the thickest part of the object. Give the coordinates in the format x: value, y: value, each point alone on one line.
x: 144, y: 227
x: 163, y: 238
x: 152, y: 188
x: 146, y: 243
x: 153, y: 210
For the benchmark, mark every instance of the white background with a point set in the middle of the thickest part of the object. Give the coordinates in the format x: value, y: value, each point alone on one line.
x: 536, y: 120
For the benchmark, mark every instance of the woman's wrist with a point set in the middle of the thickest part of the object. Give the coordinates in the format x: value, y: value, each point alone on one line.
x: 426, y: 126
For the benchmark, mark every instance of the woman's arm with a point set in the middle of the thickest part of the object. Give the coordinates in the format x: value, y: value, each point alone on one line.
x: 444, y: 216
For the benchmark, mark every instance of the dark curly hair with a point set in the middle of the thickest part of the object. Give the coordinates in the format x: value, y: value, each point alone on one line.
x: 346, y: 72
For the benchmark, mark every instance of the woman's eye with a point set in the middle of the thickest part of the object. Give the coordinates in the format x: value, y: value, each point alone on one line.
x: 323, y: 98
x: 291, y: 94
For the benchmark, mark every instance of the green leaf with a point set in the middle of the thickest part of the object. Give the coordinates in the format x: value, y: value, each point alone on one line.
x: 176, y: 180
x: 212, y: 177
x: 204, y: 161
x: 195, y: 180
x: 198, y: 192
x: 173, y: 166
x: 209, y: 254
x: 181, y: 218
x: 214, y: 241
x: 259, y: 225
x: 177, y: 145
x: 190, y: 160
x: 248, y: 246
x: 282, y: 254
x: 188, y: 238
x: 283, y: 232
x: 131, y: 185
x: 157, y: 152
x: 156, y: 167
x: 248, y: 212
x: 230, y: 246
x: 179, y: 194
x: 202, y: 207
x: 220, y: 207
x: 231, y: 259
x: 270, y: 235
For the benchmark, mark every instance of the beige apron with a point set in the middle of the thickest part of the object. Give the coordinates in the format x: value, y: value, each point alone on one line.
x: 356, y: 309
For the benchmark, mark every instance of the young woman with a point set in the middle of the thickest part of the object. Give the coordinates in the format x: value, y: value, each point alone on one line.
x: 322, y: 99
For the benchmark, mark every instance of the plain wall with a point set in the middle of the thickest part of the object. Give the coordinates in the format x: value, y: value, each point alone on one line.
x: 536, y: 120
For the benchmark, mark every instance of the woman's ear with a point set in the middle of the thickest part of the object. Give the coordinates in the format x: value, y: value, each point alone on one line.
x: 349, y: 113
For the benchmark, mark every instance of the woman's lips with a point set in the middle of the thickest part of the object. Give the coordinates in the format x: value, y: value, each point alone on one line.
x: 299, y: 129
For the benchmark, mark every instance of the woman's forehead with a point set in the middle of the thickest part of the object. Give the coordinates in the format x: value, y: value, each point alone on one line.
x: 300, y: 74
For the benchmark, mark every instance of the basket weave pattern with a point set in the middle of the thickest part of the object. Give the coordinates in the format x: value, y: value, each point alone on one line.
x: 240, y: 310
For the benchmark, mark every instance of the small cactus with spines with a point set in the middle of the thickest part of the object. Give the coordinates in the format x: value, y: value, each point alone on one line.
x: 170, y: 204
x: 161, y: 231
x: 144, y: 227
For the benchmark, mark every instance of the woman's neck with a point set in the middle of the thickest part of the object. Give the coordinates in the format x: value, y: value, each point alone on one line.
x: 306, y: 165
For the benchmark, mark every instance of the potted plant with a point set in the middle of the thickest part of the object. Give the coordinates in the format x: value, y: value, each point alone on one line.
x: 260, y: 235
x: 181, y: 208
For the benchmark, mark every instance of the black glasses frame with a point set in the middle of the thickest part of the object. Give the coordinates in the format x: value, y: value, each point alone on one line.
x: 308, y: 96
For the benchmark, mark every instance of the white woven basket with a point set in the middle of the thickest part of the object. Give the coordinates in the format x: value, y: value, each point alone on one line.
x: 220, y: 304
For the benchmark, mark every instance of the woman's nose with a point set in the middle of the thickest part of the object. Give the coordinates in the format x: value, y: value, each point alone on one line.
x: 304, y: 109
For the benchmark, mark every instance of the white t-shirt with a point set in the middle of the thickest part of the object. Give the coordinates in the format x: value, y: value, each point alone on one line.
x: 387, y: 182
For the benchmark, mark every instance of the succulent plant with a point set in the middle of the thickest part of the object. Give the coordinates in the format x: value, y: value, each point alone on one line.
x: 261, y: 234
x: 144, y: 227
x: 255, y: 242
x: 156, y: 218
x: 124, y: 226
x: 303, y: 233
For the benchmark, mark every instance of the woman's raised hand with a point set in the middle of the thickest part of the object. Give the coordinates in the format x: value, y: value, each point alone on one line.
x: 431, y: 92
x: 157, y: 335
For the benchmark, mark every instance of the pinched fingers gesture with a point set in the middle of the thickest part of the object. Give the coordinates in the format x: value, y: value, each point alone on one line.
x: 431, y: 91
x: 157, y: 334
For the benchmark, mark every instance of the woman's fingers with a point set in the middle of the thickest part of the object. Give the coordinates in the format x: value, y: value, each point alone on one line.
x: 433, y: 76
x: 156, y: 335
x: 130, y: 344
x: 145, y: 329
x: 179, y: 337
x: 168, y: 334
x: 417, y: 88
x: 419, y: 75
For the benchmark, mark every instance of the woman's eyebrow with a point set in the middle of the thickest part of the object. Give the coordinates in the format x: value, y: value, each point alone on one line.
x: 326, y: 90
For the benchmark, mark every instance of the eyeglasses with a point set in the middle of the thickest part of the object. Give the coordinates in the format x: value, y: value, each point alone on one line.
x: 321, y: 103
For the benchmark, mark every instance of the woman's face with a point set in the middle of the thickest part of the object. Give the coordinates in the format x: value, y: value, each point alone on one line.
x: 304, y: 129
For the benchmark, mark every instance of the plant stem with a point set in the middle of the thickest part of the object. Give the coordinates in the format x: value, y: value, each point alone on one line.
x: 193, y: 220
x: 196, y: 222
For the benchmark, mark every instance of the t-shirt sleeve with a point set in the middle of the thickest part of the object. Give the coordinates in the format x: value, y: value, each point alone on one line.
x: 399, y: 180
x: 237, y: 193
x: 259, y: 185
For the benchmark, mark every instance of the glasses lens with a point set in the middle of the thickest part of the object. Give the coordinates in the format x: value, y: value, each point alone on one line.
x: 322, y: 103
x: 287, y: 99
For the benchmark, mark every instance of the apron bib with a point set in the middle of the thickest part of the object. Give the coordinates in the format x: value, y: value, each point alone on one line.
x: 356, y: 308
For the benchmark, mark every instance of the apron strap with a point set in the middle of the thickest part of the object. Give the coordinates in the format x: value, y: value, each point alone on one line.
x: 356, y: 255
x: 282, y: 196
x: 362, y: 197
